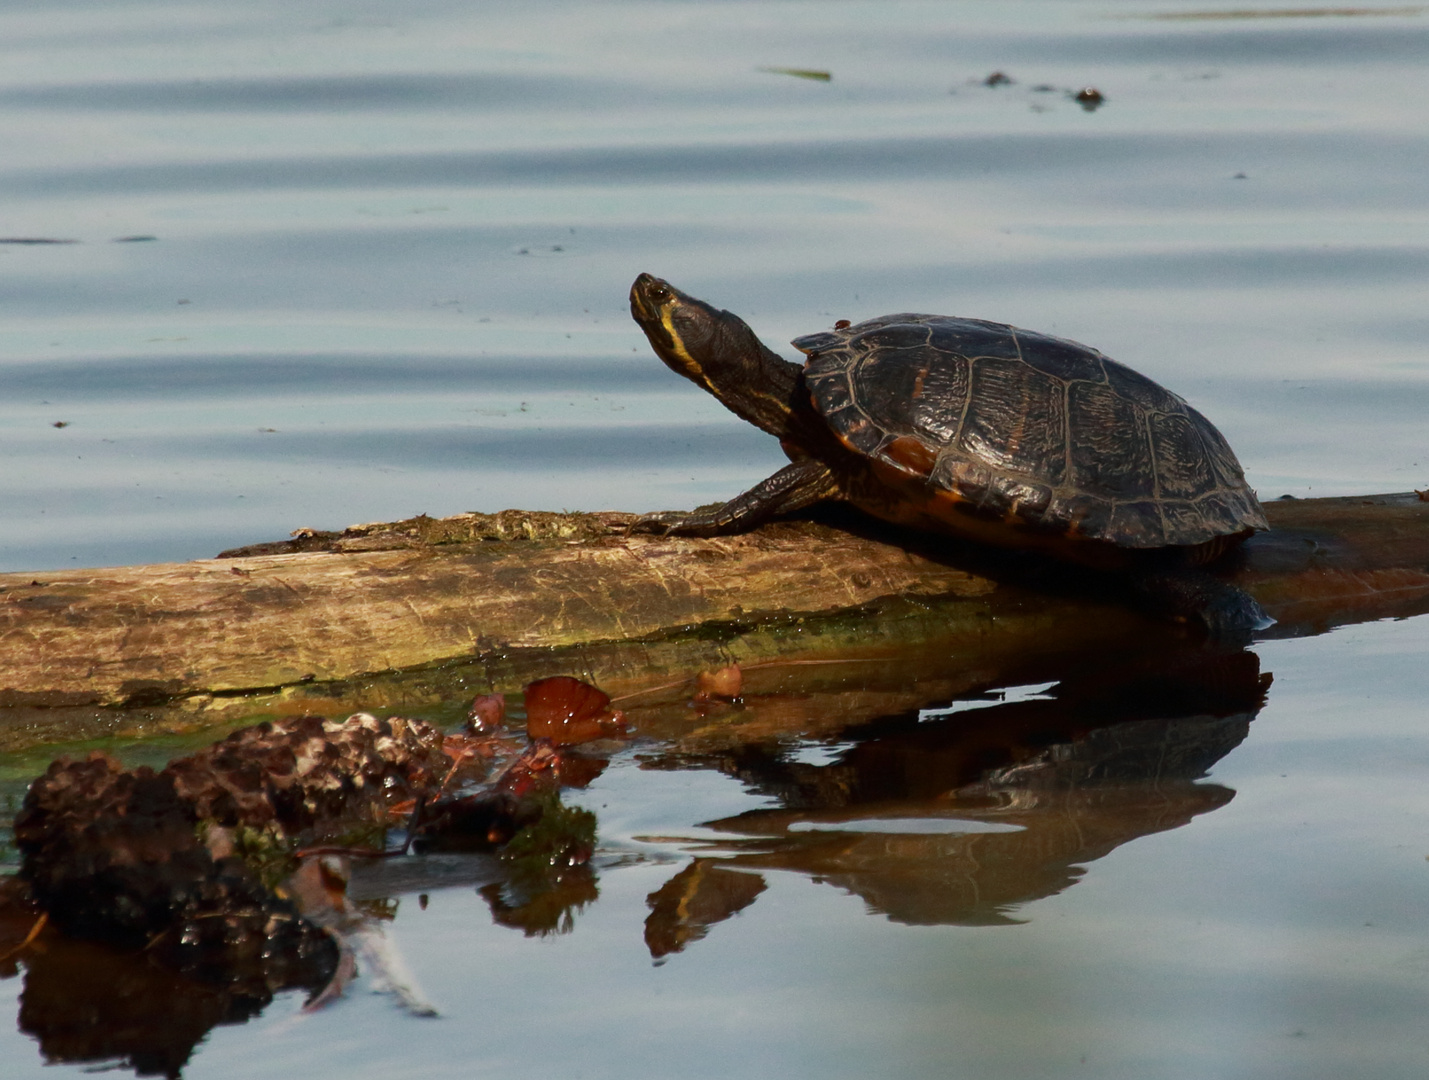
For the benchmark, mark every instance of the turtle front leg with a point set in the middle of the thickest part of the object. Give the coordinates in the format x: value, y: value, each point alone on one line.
x: 791, y: 488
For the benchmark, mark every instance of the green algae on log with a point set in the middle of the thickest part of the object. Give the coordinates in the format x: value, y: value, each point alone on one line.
x: 421, y: 611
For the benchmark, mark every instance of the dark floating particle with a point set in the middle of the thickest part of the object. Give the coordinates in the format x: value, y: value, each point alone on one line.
x: 34, y: 240
x: 812, y: 74
x: 134, y: 239
x: 1089, y: 98
x: 998, y: 78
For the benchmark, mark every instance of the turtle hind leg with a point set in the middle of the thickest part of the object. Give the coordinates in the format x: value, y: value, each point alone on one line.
x: 1226, y: 612
x: 792, y: 488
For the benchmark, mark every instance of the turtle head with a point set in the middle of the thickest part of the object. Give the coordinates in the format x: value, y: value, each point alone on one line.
x: 716, y: 350
x: 684, y: 332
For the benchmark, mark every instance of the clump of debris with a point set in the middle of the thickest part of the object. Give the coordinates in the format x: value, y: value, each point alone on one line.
x: 195, y: 864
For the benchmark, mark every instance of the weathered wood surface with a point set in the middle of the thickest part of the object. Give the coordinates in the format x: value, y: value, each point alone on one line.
x: 461, y: 603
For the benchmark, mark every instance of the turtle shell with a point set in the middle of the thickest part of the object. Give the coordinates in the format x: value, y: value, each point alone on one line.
x: 1041, y: 433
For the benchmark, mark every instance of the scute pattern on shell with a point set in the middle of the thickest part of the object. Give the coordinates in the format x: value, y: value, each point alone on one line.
x: 1032, y: 427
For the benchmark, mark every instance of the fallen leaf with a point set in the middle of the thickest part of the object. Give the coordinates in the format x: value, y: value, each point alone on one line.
x: 725, y: 684
x: 568, y: 711
x: 487, y: 712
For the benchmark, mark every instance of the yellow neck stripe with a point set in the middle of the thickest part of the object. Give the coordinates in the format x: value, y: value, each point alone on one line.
x: 677, y: 346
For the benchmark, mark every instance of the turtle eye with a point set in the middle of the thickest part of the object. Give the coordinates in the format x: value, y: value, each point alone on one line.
x: 659, y: 293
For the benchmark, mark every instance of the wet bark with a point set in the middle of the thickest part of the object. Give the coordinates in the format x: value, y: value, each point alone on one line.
x: 415, y: 612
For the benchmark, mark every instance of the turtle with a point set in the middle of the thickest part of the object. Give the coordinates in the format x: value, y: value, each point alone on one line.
x: 994, y: 434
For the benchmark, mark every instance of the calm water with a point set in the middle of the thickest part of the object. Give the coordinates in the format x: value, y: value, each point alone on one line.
x: 340, y: 262
x: 390, y: 248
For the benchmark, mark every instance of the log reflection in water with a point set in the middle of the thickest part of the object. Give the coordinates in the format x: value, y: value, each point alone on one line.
x: 950, y: 813
x: 962, y: 817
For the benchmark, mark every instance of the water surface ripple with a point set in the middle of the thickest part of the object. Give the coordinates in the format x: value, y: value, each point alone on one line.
x: 327, y: 202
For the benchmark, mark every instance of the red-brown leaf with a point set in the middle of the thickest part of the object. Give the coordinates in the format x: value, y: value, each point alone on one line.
x: 486, y: 713
x: 568, y: 711
x: 725, y: 683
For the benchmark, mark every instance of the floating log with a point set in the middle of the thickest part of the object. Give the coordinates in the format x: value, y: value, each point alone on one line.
x: 416, y: 612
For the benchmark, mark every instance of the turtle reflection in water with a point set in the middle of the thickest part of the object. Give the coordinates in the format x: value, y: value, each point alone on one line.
x: 941, y: 815
x: 981, y: 430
